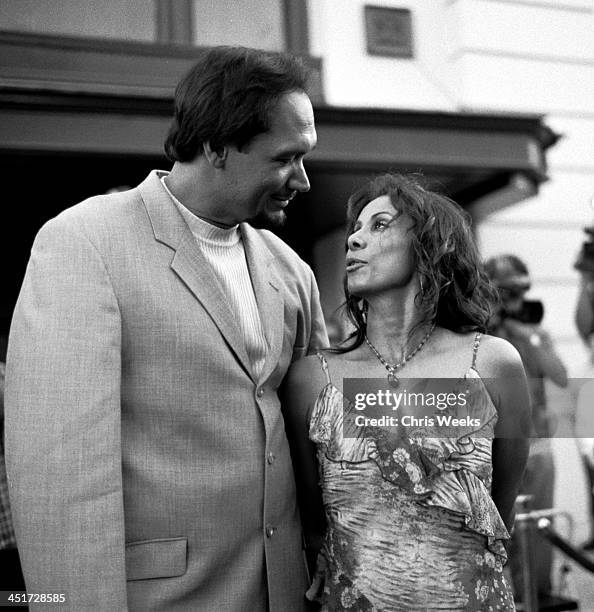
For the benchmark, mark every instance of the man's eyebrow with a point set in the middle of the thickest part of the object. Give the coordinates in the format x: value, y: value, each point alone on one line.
x: 294, y: 151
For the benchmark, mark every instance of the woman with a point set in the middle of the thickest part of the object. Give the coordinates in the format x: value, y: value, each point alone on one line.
x: 410, y: 522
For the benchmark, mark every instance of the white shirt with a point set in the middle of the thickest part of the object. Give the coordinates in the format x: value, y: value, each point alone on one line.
x: 223, y: 249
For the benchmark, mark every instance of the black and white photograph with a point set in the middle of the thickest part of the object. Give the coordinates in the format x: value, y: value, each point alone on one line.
x: 298, y: 311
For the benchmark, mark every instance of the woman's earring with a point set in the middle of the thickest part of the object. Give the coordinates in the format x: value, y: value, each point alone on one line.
x: 364, y: 309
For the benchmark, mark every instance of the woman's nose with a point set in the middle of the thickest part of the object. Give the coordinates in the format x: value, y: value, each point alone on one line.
x: 355, y: 241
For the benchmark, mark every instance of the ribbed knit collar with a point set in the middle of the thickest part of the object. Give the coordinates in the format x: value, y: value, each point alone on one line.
x: 203, y: 230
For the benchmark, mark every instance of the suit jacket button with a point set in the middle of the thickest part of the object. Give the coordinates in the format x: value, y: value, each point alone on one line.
x: 260, y: 392
x: 270, y: 458
x: 270, y: 531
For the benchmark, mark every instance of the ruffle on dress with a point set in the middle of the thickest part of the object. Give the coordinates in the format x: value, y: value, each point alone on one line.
x: 453, y: 473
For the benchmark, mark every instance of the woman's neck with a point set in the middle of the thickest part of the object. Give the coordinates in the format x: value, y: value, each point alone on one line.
x: 389, y: 325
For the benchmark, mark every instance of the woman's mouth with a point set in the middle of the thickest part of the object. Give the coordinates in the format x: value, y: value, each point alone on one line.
x: 354, y: 264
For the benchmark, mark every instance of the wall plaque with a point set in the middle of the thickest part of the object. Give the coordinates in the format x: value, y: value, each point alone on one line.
x: 389, y: 31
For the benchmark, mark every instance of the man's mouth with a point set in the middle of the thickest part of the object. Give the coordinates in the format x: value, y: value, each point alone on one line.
x: 284, y: 199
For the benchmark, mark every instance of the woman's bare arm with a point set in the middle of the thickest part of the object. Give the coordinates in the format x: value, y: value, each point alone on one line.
x: 300, y: 389
x: 501, y: 368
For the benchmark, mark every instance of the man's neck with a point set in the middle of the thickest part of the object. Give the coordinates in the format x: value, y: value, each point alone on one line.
x: 183, y: 182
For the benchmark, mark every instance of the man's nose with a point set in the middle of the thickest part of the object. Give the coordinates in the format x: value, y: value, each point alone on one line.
x: 299, y: 180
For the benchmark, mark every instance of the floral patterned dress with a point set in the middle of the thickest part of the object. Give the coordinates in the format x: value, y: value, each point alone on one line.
x: 411, y: 522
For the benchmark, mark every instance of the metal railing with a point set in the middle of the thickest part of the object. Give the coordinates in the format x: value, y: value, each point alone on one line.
x: 530, y: 525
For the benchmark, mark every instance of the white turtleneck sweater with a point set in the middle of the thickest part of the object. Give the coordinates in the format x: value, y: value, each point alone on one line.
x: 223, y: 249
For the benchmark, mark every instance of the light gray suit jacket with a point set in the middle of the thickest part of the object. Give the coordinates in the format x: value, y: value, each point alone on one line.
x: 148, y: 469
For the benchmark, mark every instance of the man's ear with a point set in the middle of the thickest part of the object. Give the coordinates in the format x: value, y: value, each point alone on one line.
x: 215, y: 158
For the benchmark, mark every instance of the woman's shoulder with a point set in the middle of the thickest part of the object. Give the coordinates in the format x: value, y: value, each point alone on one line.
x: 306, y: 370
x: 317, y: 370
x: 501, y: 370
x: 496, y: 357
x: 490, y: 356
x: 300, y: 389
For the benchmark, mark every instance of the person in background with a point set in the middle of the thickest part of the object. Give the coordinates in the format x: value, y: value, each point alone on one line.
x: 11, y: 577
x: 518, y: 322
x: 584, y: 427
x: 410, y: 518
x: 146, y: 451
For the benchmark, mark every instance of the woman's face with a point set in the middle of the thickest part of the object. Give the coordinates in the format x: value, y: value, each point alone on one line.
x: 379, y: 257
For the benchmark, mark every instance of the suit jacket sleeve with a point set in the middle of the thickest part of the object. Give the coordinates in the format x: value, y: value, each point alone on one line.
x: 319, y: 336
x: 63, y: 423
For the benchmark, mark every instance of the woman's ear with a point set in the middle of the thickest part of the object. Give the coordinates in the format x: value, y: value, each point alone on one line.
x: 215, y: 158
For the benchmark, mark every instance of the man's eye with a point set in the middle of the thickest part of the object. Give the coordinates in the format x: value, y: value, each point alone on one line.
x: 285, y: 161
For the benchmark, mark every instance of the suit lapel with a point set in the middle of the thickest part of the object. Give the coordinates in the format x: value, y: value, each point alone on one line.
x: 266, y: 285
x: 192, y: 267
x: 190, y: 264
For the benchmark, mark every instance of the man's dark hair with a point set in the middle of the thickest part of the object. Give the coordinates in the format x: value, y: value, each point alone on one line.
x: 227, y: 96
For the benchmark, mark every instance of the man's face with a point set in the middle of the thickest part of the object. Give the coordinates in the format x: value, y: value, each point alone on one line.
x: 268, y: 172
x: 513, y: 291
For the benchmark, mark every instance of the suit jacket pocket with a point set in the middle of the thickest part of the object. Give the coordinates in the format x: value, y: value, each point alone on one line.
x: 163, y: 558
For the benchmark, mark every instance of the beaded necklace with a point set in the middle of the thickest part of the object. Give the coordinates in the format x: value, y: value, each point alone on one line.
x: 394, y: 367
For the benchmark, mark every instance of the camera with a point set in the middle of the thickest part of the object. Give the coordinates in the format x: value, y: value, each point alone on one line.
x: 531, y: 312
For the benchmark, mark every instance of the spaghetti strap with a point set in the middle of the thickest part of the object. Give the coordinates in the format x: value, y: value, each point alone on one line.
x: 475, y: 346
x: 324, y: 366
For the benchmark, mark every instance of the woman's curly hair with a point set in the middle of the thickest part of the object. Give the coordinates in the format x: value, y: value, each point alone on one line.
x: 455, y: 291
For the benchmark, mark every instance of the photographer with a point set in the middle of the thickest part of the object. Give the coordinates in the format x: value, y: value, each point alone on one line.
x: 518, y: 321
x: 584, y: 314
x: 584, y: 320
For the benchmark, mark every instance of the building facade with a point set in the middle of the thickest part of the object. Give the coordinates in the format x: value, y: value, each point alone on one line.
x: 86, y: 89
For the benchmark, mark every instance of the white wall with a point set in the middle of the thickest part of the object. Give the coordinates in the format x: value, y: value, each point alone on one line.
x: 498, y: 56
x: 354, y: 78
x: 257, y: 23
x: 113, y: 19
x: 538, y: 57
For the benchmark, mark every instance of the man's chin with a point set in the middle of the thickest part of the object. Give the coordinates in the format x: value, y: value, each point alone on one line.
x: 268, y: 219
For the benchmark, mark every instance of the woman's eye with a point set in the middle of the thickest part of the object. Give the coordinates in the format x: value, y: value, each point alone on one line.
x: 380, y: 225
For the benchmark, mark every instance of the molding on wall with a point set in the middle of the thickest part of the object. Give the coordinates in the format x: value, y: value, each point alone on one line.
x: 558, y: 5
x: 100, y: 67
x: 470, y: 148
x: 464, y: 51
x: 90, y: 97
x: 443, y: 127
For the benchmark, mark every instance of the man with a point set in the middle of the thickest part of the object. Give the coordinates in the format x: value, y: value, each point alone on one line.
x: 518, y: 321
x: 147, y: 457
x: 584, y: 422
x: 11, y: 578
